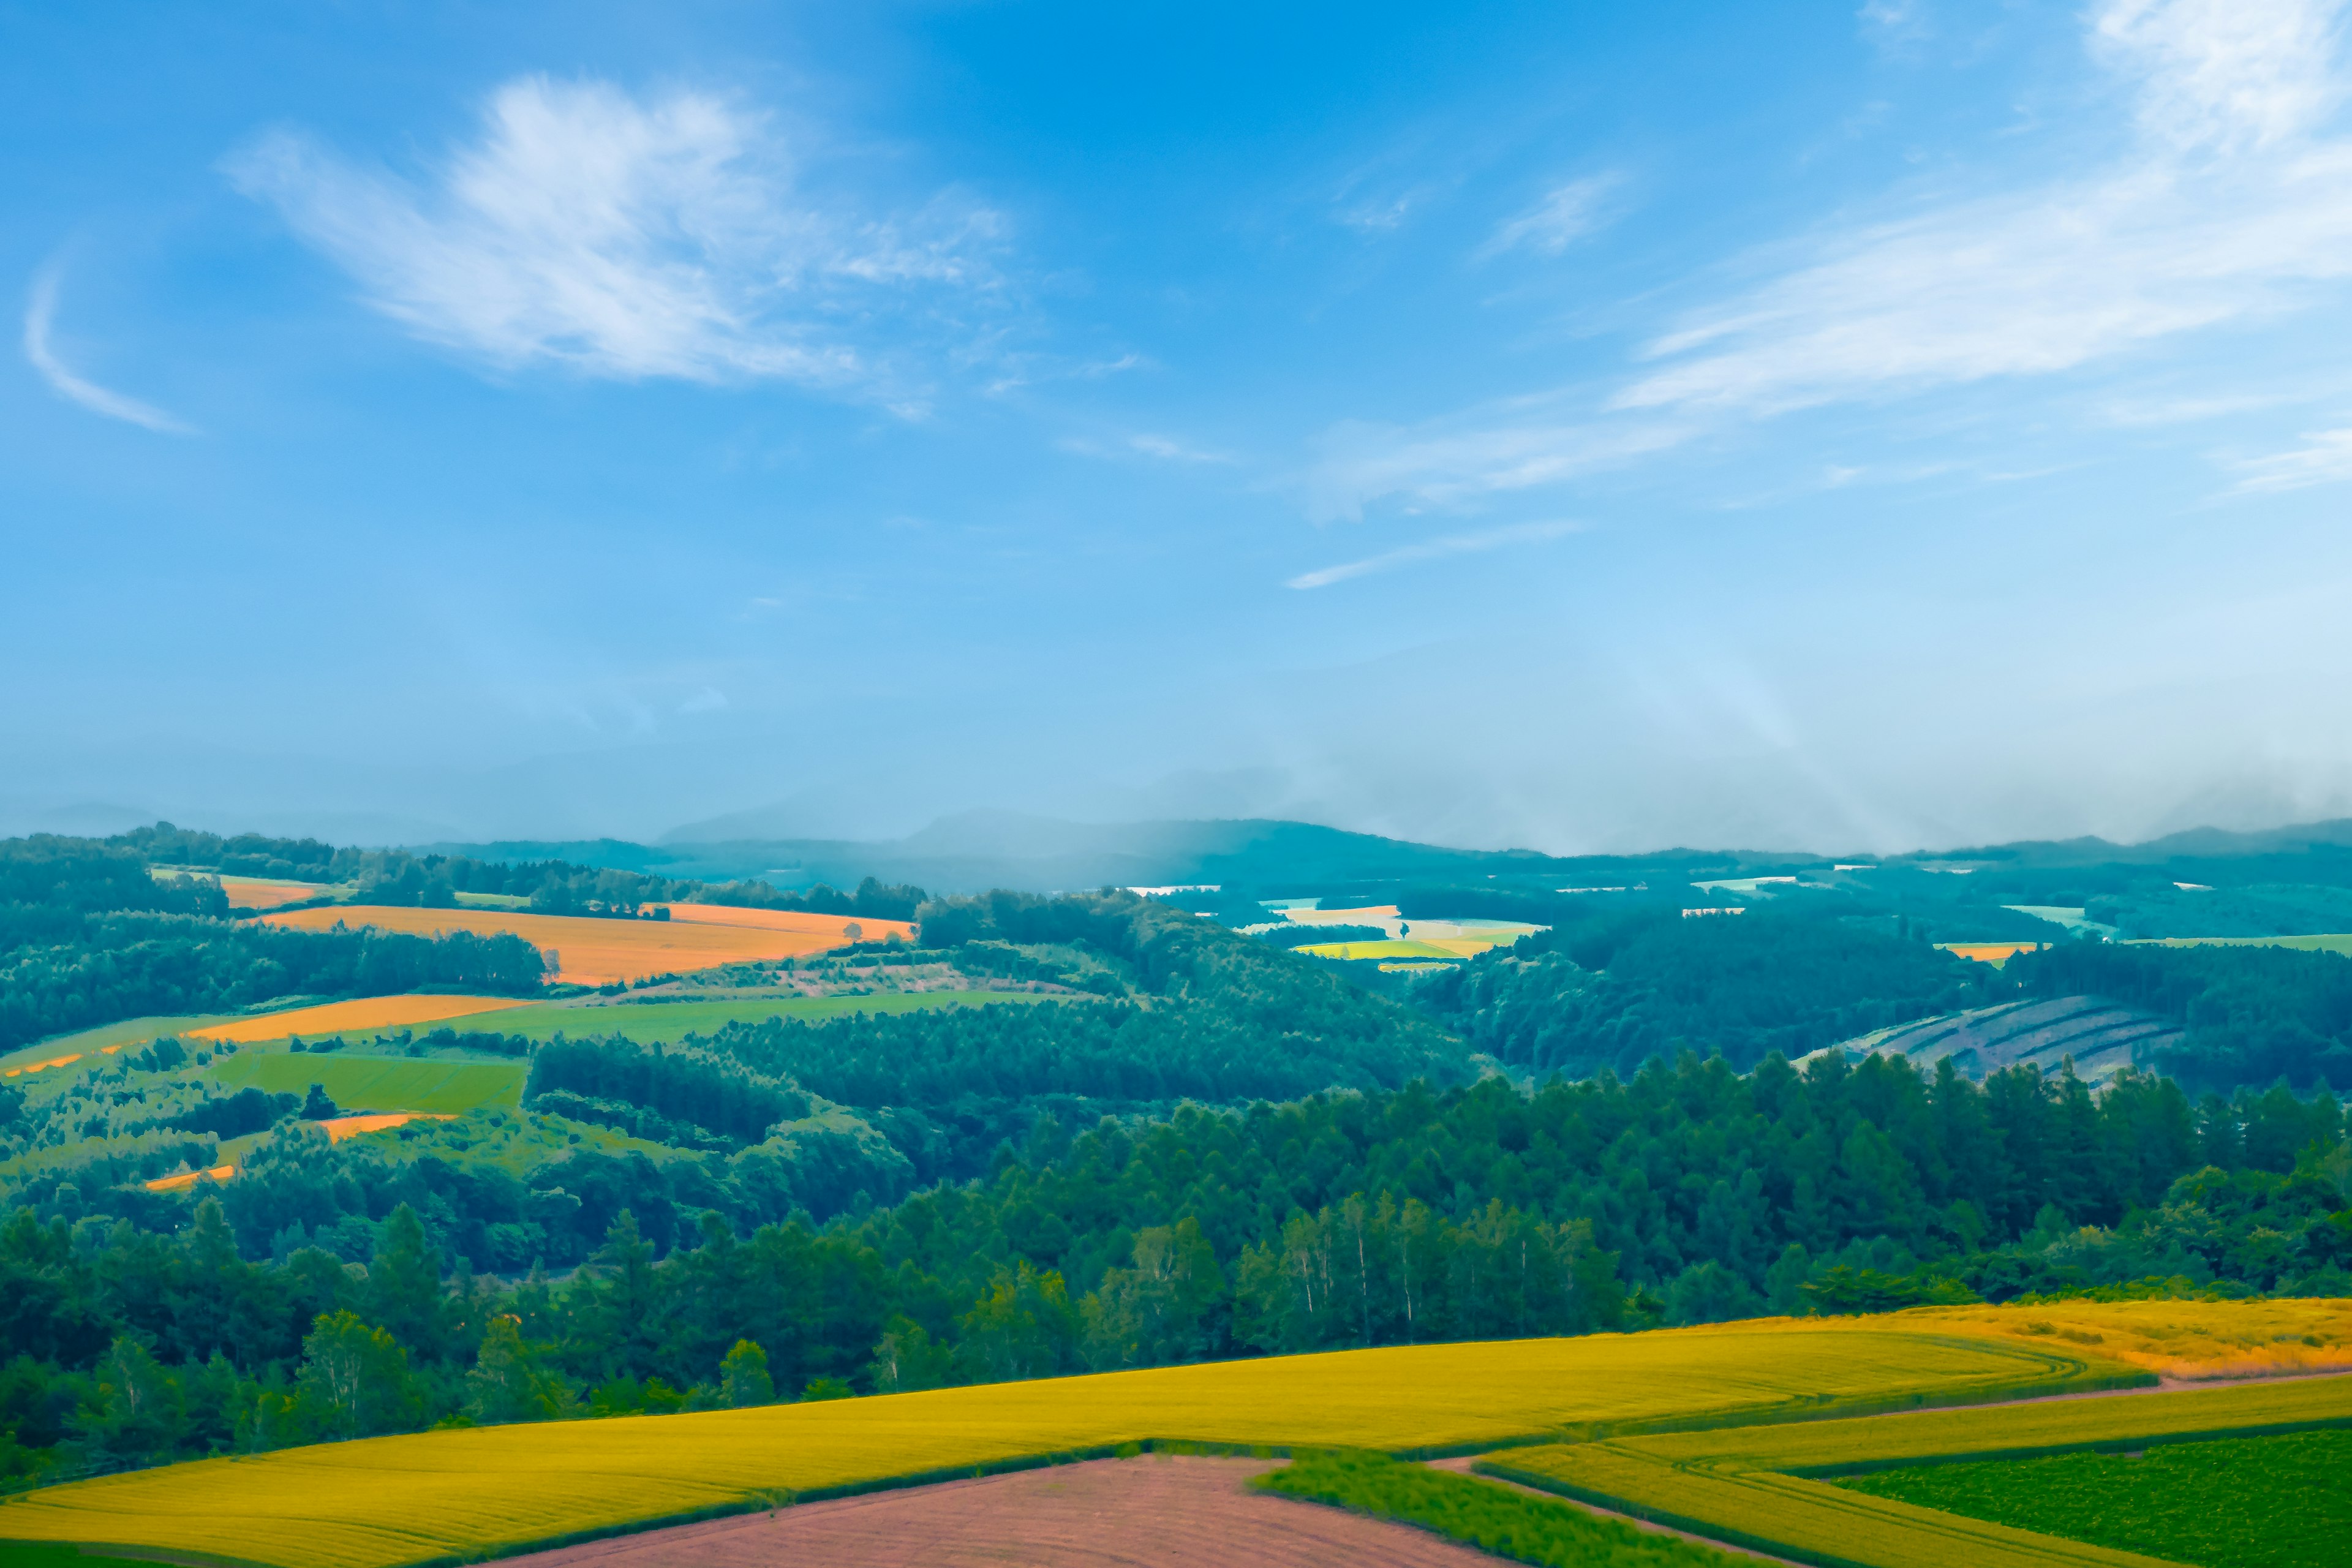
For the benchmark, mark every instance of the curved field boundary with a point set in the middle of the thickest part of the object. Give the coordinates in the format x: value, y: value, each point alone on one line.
x: 366, y: 1013
x: 1761, y: 1488
x: 461, y: 1496
x: 589, y: 951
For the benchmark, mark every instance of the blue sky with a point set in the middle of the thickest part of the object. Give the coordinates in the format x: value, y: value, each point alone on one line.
x: 1500, y: 424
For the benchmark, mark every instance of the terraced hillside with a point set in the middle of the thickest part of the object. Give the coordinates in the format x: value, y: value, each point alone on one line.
x: 2102, y: 1037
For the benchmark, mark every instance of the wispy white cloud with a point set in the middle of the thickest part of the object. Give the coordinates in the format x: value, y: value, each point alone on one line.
x: 2324, y: 458
x: 40, y: 313
x: 1567, y: 213
x: 621, y: 239
x: 1162, y: 448
x: 2227, y: 207
x: 1455, y: 463
x: 2232, y: 206
x: 1171, y: 451
x: 1435, y: 550
x: 2227, y: 73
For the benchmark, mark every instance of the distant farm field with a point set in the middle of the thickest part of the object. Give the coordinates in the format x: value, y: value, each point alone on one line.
x: 466, y: 1494
x: 668, y: 1023
x: 831, y: 927
x: 1358, y: 951
x: 1994, y: 952
x: 378, y: 1084
x: 105, y: 1038
x: 267, y: 893
x: 592, y: 952
x: 340, y: 1017
x: 2339, y: 942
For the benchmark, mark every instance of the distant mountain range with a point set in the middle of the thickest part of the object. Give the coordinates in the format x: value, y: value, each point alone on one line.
x: 981, y: 850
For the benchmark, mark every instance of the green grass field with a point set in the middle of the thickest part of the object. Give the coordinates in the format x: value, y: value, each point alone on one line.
x: 1768, y: 1488
x: 360, y: 1083
x: 1508, y: 1523
x: 670, y: 1021
x: 2247, y: 1502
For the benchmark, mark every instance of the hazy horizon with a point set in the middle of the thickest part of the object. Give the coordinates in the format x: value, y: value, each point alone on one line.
x: 1867, y: 429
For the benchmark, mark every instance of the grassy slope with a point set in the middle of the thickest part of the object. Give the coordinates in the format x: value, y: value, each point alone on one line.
x: 363, y: 1083
x: 2247, y: 1502
x: 452, y: 1494
x: 130, y: 1032
x: 670, y: 1021
x: 2336, y: 943
x: 1508, y: 1523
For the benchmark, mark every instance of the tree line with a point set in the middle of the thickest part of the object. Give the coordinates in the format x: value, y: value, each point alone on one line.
x: 1687, y: 1194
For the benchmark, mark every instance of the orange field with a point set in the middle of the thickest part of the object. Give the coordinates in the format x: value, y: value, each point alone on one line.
x: 1993, y: 953
x: 831, y: 926
x: 190, y: 1178
x: 253, y: 893
x: 339, y: 1128
x: 597, y: 952
x: 67, y: 1061
x: 367, y: 1013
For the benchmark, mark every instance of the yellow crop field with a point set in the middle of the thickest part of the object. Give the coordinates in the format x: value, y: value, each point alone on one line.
x: 367, y: 1013
x: 466, y: 1494
x: 2176, y: 1339
x: 1753, y: 1486
x: 1385, y: 951
x: 591, y: 952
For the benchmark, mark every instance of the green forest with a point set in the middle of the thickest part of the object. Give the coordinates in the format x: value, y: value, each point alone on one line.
x: 1206, y: 1147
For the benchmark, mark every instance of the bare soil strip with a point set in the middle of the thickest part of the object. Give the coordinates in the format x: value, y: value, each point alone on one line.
x: 1161, y: 1510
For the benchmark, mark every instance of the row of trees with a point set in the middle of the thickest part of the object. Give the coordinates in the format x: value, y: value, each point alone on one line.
x: 434, y: 881
x: 116, y: 966
x: 1685, y: 1194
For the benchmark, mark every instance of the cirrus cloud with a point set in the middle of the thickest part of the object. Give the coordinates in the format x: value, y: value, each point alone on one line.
x: 622, y: 239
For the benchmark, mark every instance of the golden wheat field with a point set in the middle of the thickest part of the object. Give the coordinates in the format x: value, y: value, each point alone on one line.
x: 593, y: 952
x: 2187, y: 1340
x: 367, y: 1013
x: 392, y: 1500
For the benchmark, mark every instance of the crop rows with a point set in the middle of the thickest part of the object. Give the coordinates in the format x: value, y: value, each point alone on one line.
x: 1753, y: 1486
x: 2251, y: 1502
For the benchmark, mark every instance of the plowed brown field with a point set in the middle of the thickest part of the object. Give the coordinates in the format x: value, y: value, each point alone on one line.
x: 596, y: 951
x: 1158, y: 1512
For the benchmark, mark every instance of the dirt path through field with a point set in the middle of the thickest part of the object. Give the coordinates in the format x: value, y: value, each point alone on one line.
x: 1158, y: 1512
